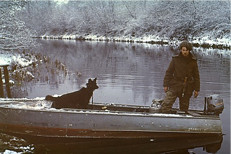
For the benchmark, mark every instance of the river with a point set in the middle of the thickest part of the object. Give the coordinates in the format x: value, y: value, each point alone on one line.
x: 127, y: 73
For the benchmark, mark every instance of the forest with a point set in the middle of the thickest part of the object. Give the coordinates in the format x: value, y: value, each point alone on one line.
x: 195, y: 20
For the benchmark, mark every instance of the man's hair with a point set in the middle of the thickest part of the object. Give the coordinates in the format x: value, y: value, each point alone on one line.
x: 187, y: 45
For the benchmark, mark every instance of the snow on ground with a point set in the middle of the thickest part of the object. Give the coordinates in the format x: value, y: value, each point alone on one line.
x: 145, y: 39
x: 17, y: 60
x: 21, y: 61
x: 7, y: 59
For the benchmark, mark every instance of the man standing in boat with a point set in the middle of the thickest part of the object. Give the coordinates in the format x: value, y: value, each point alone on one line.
x: 181, y: 79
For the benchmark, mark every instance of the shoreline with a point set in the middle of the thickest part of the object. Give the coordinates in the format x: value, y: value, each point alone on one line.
x: 197, y: 42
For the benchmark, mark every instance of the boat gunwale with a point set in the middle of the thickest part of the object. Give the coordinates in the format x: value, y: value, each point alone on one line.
x: 119, y: 113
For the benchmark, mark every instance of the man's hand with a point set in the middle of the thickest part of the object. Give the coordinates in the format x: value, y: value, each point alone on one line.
x: 196, y: 93
x: 165, y: 89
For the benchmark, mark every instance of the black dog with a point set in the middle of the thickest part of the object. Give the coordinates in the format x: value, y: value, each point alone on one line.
x: 77, y: 99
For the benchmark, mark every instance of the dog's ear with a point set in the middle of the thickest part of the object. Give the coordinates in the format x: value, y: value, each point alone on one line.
x: 89, y: 80
x: 95, y: 79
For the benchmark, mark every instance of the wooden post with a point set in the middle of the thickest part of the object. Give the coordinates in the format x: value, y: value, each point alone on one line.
x: 6, y: 74
x: 1, y: 85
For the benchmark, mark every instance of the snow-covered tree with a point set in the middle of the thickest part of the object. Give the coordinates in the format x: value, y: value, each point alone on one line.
x: 14, y: 34
x: 165, y: 19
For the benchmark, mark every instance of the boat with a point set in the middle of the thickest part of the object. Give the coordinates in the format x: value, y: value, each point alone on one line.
x: 35, y: 117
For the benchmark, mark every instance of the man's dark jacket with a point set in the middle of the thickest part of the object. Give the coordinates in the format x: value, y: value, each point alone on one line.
x: 179, y: 68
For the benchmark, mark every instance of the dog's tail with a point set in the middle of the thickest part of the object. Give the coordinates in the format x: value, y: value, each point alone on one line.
x: 50, y: 98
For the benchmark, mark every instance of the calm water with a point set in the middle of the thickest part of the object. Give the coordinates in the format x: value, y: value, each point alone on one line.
x: 127, y: 74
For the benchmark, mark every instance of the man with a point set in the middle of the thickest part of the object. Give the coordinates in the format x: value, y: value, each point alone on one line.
x: 181, y: 79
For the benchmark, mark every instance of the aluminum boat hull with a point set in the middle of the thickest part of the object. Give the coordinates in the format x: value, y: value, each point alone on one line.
x: 95, y: 123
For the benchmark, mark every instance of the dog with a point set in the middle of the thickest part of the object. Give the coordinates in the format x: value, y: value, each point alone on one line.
x: 78, y: 99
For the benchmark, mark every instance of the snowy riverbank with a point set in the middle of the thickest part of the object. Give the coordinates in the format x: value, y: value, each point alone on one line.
x: 204, y: 42
x: 18, y: 64
x: 26, y: 66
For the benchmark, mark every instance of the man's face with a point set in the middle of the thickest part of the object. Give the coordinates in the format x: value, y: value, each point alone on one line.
x: 184, y: 51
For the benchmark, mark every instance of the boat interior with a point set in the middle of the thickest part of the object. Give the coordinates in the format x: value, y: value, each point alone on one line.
x: 146, y: 109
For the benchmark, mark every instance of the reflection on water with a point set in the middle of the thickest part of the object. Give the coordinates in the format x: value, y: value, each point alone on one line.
x: 175, y: 145
x: 127, y: 73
